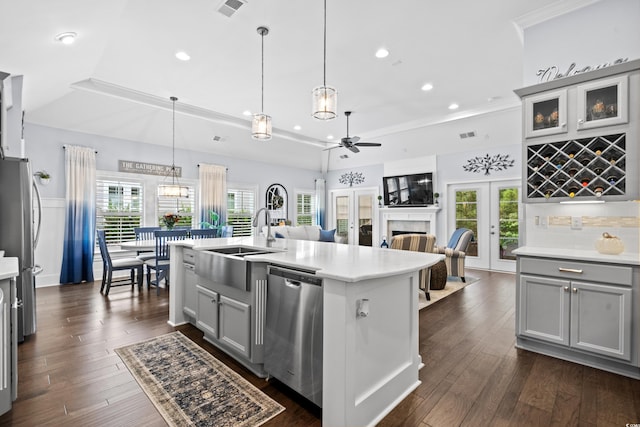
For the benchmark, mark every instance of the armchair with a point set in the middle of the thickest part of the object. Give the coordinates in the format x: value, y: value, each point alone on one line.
x: 455, y: 252
x: 418, y: 243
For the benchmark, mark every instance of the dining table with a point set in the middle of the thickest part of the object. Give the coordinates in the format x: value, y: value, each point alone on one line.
x: 139, y: 245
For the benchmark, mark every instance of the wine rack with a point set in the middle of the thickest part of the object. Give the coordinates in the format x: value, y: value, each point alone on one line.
x: 578, y: 168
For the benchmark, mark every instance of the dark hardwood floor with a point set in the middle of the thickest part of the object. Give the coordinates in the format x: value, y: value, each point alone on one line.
x: 473, y: 376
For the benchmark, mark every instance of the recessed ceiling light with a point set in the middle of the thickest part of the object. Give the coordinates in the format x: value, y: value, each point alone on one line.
x: 453, y: 106
x: 297, y: 127
x: 427, y: 87
x: 246, y: 113
x: 382, y: 53
x: 329, y: 136
x: 183, y: 56
x: 66, y: 38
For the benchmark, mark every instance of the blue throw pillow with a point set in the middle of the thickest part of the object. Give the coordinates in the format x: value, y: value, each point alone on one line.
x: 279, y: 236
x: 327, y: 235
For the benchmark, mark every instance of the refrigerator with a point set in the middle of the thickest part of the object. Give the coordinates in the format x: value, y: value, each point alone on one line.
x: 18, y: 235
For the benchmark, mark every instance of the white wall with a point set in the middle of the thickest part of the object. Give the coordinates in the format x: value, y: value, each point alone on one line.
x: 596, y: 34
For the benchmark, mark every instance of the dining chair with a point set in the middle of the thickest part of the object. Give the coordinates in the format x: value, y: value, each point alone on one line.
x: 109, y: 266
x: 204, y: 233
x: 160, y: 263
x: 145, y: 233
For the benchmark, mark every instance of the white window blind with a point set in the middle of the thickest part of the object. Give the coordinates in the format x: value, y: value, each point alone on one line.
x: 240, y: 210
x: 305, y: 208
x: 183, y: 206
x: 118, y: 208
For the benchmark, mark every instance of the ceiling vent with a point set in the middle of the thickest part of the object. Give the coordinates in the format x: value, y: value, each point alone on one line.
x: 217, y: 138
x: 464, y: 135
x: 229, y: 7
x: 344, y: 156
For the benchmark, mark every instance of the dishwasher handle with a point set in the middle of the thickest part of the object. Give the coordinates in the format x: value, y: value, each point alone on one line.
x: 294, y: 277
x: 292, y: 283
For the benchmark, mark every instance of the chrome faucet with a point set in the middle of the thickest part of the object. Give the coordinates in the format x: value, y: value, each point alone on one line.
x: 270, y: 238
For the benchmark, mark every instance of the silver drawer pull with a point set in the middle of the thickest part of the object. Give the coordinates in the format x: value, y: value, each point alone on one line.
x: 569, y: 270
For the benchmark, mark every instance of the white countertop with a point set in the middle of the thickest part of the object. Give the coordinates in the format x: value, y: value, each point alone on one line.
x: 347, y: 263
x: 627, y: 258
x: 8, y: 267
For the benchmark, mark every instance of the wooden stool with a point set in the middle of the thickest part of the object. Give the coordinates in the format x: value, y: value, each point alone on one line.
x: 438, y: 276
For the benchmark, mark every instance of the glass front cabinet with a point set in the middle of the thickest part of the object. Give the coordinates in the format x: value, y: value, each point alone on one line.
x: 581, y: 136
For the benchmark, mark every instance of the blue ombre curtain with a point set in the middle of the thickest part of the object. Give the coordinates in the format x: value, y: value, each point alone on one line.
x: 213, y: 191
x: 80, y: 219
x: 321, y: 202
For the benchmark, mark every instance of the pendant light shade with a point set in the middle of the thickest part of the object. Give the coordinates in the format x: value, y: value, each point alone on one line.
x: 325, y: 98
x: 261, y: 123
x: 325, y: 103
x: 174, y: 189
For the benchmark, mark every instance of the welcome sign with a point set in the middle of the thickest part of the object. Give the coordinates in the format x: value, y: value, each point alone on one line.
x: 147, y: 168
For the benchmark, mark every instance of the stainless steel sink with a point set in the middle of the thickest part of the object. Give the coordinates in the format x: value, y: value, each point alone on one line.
x: 227, y: 265
x: 235, y: 250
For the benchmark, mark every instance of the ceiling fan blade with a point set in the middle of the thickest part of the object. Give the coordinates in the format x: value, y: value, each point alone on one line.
x: 352, y: 148
x: 368, y: 144
x: 354, y: 139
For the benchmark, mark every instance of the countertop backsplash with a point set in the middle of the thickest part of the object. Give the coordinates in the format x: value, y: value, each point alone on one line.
x: 578, y: 226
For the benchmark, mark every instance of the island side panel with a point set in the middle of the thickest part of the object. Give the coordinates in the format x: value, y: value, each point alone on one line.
x: 176, y: 287
x: 370, y: 363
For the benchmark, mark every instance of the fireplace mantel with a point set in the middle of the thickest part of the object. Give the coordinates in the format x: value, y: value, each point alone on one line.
x: 418, y: 214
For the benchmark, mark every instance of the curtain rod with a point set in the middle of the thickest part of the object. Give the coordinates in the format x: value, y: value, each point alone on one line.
x: 226, y: 168
x: 64, y: 147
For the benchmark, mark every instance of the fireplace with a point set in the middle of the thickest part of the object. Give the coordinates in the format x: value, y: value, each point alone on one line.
x: 408, y: 220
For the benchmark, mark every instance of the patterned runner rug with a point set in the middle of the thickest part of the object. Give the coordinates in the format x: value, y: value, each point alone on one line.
x: 190, y: 387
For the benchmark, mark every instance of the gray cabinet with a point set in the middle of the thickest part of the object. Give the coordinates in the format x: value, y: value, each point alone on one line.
x: 190, y: 299
x: 207, y: 313
x: 224, y: 320
x: 579, y: 311
x: 235, y: 325
x: 586, y: 316
x: 579, y: 134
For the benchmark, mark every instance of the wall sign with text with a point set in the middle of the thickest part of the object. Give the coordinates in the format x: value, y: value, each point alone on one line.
x: 147, y: 168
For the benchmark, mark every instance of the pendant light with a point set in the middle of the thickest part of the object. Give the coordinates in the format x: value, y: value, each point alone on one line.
x: 174, y: 189
x: 261, y: 124
x: 325, y: 98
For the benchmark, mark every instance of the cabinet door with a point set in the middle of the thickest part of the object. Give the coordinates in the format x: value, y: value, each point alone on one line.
x: 544, y: 309
x: 190, y: 299
x: 545, y: 114
x: 207, y: 314
x: 235, y: 325
x: 601, y: 319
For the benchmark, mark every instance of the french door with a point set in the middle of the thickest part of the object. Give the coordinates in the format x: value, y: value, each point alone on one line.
x: 354, y: 215
x: 493, y: 211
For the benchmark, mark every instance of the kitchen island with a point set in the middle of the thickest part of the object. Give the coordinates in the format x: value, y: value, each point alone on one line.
x: 370, y: 317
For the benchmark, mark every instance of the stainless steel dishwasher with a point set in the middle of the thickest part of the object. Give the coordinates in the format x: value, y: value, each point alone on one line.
x: 293, y: 331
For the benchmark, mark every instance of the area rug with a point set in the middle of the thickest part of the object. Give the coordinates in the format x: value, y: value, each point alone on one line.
x: 190, y: 387
x: 451, y: 287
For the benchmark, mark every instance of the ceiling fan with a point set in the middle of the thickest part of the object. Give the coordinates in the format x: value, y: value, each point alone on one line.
x: 351, y: 143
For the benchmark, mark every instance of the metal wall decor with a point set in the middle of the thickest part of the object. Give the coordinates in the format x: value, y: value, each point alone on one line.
x: 488, y: 163
x: 277, y: 203
x: 351, y: 178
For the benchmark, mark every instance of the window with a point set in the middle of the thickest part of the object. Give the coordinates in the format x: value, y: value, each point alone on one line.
x: 183, y: 206
x: 118, y: 208
x: 240, y: 210
x: 305, y: 208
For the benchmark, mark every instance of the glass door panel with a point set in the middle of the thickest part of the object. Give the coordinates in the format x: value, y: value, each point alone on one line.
x: 467, y: 216
x: 342, y: 216
x: 365, y: 219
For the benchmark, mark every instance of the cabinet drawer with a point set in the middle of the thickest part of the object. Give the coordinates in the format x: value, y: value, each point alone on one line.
x: 189, y: 256
x: 574, y: 270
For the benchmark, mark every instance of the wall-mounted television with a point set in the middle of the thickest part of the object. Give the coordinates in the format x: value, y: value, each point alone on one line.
x: 408, y: 190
